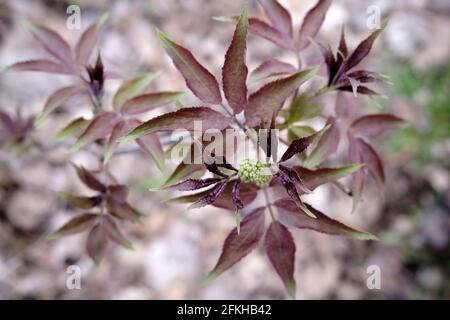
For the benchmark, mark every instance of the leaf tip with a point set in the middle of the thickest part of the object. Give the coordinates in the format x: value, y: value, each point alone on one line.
x: 290, y: 287
x: 362, y: 235
x: 212, y: 275
x: 102, y: 20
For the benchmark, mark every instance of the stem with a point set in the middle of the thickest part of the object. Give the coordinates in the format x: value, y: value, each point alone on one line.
x: 240, y: 125
x: 268, y: 203
x: 233, y: 116
x: 321, y: 91
x: 299, y: 60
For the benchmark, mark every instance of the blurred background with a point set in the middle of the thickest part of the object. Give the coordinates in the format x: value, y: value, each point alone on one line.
x: 175, y: 249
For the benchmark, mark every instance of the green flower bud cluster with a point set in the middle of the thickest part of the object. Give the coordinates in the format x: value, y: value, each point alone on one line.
x: 253, y: 171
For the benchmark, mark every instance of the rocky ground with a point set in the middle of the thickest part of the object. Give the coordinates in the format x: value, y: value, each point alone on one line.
x: 175, y: 249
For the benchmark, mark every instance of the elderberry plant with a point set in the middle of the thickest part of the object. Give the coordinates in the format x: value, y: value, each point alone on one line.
x: 278, y: 111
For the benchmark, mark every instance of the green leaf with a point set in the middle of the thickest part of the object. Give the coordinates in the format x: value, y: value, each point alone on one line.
x: 72, y: 129
x: 183, y: 170
x: 302, y: 109
x: 326, y: 146
x: 132, y: 87
x: 295, y: 132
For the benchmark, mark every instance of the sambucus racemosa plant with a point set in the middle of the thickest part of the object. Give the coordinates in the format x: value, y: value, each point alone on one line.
x: 277, y: 108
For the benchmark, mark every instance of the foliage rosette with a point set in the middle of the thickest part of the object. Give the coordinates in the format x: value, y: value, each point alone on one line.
x: 276, y: 98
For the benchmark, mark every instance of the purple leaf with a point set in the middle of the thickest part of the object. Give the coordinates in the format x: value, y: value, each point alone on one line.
x: 235, y: 194
x: 201, y: 82
x: 312, y: 22
x: 289, y: 214
x: 88, y: 40
x: 214, y: 168
x: 272, y: 67
x: 294, y: 177
x: 118, y: 192
x: 263, y: 30
x: 342, y: 48
x: 121, y: 209
x: 234, y: 71
x: 81, y: 202
x: 119, y: 130
x: 291, y: 191
x: 89, y: 179
x: 375, y: 124
x: 247, y: 194
x: 345, y: 105
x: 112, y: 231
x: 150, y: 101
x: 53, y: 43
x: 193, y: 184
x: 362, y: 50
x: 40, y: 65
x: 264, y: 104
x: 364, y: 76
x: 151, y: 145
x: 96, y: 243
x: 8, y: 125
x: 298, y: 146
x: 57, y: 99
x: 280, y: 249
x: 278, y: 16
x: 353, y: 87
x: 372, y: 162
x: 181, y: 119
x: 96, y: 75
x: 76, y: 225
x: 238, y: 245
x: 210, y: 197
x: 99, y: 128
x: 358, y: 178
x: 332, y: 65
